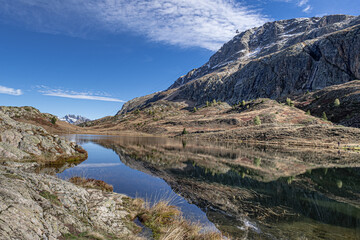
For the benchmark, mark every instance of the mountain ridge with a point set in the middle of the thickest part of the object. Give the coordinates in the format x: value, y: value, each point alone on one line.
x: 275, y: 60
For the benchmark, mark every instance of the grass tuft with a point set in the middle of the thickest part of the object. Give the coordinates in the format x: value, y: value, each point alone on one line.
x: 166, y: 222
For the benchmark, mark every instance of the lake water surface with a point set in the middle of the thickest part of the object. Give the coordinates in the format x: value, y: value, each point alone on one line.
x: 246, y: 192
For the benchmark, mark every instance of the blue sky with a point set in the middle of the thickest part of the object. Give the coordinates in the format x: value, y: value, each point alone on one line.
x: 89, y: 56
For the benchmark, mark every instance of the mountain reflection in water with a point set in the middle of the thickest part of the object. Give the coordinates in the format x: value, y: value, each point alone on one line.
x: 254, y: 192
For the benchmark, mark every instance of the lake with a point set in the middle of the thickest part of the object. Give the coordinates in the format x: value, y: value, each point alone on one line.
x: 244, y: 191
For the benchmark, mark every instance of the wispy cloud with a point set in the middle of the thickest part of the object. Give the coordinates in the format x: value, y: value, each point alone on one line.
x: 75, y: 95
x: 10, y: 91
x: 302, y: 3
x: 307, y: 9
x: 305, y: 5
x: 186, y: 23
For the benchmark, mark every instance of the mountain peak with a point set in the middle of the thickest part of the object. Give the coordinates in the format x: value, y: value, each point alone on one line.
x: 74, y: 119
x: 267, y: 39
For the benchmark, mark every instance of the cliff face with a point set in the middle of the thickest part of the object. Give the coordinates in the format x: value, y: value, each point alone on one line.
x: 275, y: 60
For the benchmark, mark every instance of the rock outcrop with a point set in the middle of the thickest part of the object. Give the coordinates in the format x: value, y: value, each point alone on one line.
x: 23, y: 142
x: 35, y: 206
x: 275, y: 60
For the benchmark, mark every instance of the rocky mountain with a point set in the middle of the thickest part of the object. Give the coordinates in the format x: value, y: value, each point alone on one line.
x: 275, y: 60
x: 74, y: 119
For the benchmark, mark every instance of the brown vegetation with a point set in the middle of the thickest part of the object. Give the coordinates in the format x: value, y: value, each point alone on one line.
x: 91, y: 183
x: 166, y: 222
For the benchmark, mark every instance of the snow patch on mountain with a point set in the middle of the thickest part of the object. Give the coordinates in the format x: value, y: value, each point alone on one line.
x: 74, y: 119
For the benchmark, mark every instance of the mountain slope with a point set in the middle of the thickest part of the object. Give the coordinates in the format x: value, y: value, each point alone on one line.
x: 273, y: 61
x: 347, y: 113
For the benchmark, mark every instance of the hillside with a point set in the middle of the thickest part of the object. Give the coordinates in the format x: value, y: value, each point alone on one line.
x: 347, y: 113
x: 279, y: 123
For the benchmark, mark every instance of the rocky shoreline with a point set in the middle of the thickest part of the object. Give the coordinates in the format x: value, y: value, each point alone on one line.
x: 40, y: 206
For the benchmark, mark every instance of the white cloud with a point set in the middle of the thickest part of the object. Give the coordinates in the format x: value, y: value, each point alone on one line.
x: 307, y: 9
x: 305, y: 5
x: 75, y: 95
x: 10, y: 91
x: 302, y: 2
x: 187, y: 23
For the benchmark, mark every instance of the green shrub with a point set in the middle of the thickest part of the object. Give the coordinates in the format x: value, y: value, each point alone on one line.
x: 288, y: 101
x: 214, y: 101
x: 257, y: 161
x: 339, y: 183
x: 53, y: 120
x: 257, y: 120
x: 243, y: 103
x: 184, y: 131
x: 324, y: 117
x: 207, y: 103
x: 195, y: 109
x: 308, y: 112
x: 337, y: 103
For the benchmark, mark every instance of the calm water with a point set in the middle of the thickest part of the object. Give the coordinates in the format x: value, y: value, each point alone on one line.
x: 104, y: 164
x: 246, y: 192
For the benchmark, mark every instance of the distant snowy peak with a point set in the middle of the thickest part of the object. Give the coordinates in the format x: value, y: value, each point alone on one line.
x: 74, y: 119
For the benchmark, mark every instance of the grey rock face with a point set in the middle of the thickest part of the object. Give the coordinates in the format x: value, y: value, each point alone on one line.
x: 273, y: 61
x: 35, y: 206
x: 22, y: 141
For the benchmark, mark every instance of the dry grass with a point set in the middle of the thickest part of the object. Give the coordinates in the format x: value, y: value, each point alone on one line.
x: 91, y: 183
x: 167, y: 223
